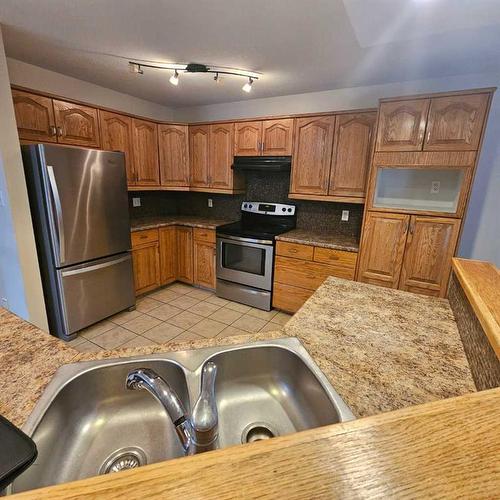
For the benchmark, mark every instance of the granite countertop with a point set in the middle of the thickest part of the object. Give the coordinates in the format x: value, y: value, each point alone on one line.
x: 325, y: 239
x: 141, y: 223
x: 381, y: 349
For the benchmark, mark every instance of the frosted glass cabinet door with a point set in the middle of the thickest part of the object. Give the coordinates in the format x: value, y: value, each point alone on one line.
x: 435, y: 190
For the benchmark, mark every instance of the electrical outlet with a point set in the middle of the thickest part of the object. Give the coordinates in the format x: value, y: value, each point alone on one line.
x: 435, y: 185
x: 210, y: 203
x: 4, y: 302
x: 136, y: 202
x: 345, y: 215
x: 2, y: 199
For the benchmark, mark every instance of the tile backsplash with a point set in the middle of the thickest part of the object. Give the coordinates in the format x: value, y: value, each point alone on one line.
x: 268, y: 187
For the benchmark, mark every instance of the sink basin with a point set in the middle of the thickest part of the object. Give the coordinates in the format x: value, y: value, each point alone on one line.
x: 87, y: 423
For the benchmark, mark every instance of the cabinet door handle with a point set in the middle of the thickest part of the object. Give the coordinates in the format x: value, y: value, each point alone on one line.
x: 59, y: 131
x: 259, y: 146
x: 262, y: 147
x: 428, y: 136
x: 412, y: 227
x: 53, y: 130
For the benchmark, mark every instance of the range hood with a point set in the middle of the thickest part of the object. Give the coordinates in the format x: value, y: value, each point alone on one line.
x: 262, y: 163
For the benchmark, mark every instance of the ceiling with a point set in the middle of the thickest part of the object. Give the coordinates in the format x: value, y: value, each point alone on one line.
x: 298, y: 45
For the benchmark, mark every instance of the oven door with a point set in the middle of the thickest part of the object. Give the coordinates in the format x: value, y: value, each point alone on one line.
x: 245, y: 262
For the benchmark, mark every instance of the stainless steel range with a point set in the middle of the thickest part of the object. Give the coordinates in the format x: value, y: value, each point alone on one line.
x: 245, y: 252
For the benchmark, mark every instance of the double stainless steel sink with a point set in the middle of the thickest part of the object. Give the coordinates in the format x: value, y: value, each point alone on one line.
x: 87, y: 422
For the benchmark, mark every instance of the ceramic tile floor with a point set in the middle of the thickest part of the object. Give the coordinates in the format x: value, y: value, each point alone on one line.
x: 176, y: 313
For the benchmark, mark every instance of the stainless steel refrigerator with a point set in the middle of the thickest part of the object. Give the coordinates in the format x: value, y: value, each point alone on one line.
x: 79, y: 206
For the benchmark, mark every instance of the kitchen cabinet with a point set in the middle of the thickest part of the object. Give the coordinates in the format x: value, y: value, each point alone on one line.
x: 264, y: 138
x: 146, y: 260
x: 116, y: 135
x: 199, y: 155
x: 34, y: 117
x: 352, y: 154
x: 145, y: 151
x: 204, y: 257
x: 411, y: 253
x: 312, y: 155
x: 184, y: 254
x: 221, y: 137
x: 300, y: 269
x: 168, y: 254
x: 174, y: 155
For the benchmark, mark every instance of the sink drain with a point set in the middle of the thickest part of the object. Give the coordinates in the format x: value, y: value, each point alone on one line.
x: 123, y: 459
x: 257, y: 431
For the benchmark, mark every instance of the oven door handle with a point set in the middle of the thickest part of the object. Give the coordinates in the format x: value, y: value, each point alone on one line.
x: 244, y: 240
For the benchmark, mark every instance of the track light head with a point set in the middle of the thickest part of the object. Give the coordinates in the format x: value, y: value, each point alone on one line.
x: 248, y: 86
x: 174, y: 79
x: 135, y: 68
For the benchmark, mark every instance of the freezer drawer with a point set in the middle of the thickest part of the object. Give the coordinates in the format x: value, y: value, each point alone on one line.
x: 95, y: 290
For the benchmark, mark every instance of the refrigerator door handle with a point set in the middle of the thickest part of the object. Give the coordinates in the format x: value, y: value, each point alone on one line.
x: 57, y: 204
x: 89, y: 269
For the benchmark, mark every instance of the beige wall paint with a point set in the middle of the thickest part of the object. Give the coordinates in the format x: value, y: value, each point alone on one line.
x: 34, y: 77
x: 20, y: 282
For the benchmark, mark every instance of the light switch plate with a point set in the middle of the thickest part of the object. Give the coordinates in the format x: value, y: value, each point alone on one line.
x: 136, y: 202
x: 210, y: 203
x: 345, y: 215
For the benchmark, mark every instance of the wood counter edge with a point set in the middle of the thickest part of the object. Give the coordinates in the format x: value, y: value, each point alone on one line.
x: 445, y: 449
x: 481, y: 283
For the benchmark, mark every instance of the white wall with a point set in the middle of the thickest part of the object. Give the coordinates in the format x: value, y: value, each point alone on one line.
x: 20, y: 282
x: 481, y: 234
x: 34, y: 77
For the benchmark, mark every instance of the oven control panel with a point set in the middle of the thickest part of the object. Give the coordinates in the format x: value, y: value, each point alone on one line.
x: 260, y: 207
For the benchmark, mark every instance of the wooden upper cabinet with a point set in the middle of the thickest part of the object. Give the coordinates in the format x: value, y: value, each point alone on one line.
x: 145, y: 148
x: 199, y: 155
x: 34, y: 117
x: 76, y: 124
x: 221, y: 155
x: 401, y: 125
x: 247, y: 138
x: 430, y: 246
x: 382, y: 248
x: 456, y: 122
x: 184, y: 254
x: 277, y: 137
x: 351, y: 155
x: 116, y: 135
x: 312, y: 154
x: 174, y: 155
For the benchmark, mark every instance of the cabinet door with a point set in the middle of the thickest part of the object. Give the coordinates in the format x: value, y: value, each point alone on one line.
x: 427, y: 262
x: 401, y: 125
x: 168, y: 253
x: 145, y: 147
x: 184, y: 254
x: 146, y: 262
x: 221, y: 155
x: 116, y: 135
x: 312, y: 154
x: 455, y: 123
x: 277, y: 137
x: 77, y: 125
x: 34, y: 117
x: 174, y: 155
x: 247, y: 139
x: 198, y: 155
x: 204, y: 264
x: 351, y: 156
x: 382, y: 248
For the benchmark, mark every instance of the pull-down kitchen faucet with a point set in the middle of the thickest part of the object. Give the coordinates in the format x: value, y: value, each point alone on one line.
x: 198, y: 433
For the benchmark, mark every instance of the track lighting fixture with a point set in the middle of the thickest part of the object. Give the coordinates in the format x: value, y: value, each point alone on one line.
x: 137, y: 67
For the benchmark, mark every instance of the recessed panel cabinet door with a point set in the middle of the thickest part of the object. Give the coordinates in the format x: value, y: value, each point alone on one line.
x: 34, y: 117
x: 430, y: 246
x: 382, y: 248
x: 351, y: 156
x: 455, y: 123
x: 277, y: 137
x: 247, y: 139
x: 76, y: 125
x: 116, y: 135
x: 174, y: 155
x: 168, y: 254
x: 221, y: 155
x: 184, y: 254
x: 146, y: 262
x: 145, y: 148
x: 312, y: 154
x: 401, y: 125
x: 204, y: 267
x: 199, y: 155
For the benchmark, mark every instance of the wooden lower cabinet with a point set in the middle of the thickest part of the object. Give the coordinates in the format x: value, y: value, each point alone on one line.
x: 168, y: 254
x: 204, y: 264
x: 300, y: 269
x: 146, y: 262
x: 185, y: 254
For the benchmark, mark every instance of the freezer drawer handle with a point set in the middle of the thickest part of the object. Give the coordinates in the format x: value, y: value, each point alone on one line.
x: 96, y: 267
x: 57, y: 204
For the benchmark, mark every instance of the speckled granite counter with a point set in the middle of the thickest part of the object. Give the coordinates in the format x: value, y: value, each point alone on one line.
x: 321, y: 239
x: 381, y: 349
x: 175, y: 220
